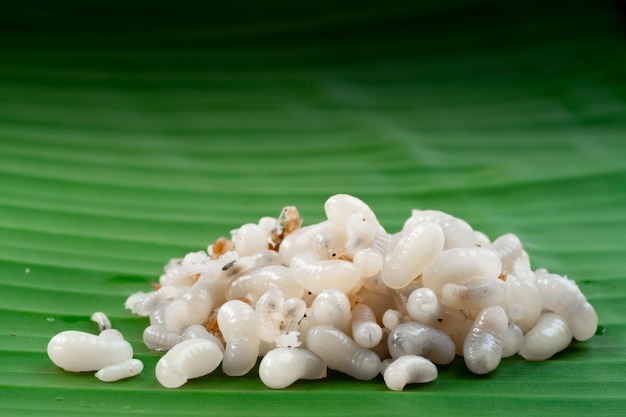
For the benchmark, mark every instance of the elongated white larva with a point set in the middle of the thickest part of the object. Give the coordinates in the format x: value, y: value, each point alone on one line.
x: 332, y: 307
x: 412, y: 255
x: 304, y: 238
x: 176, y: 316
x: 474, y: 295
x: 142, y: 304
x: 550, y: 335
x: 461, y: 265
x: 360, y: 232
x: 508, y: 248
x: 249, y: 239
x: 563, y: 296
x: 341, y: 353
x: 458, y: 233
x: 368, y: 262
x: 238, y: 326
x: 119, y: 371
x: 282, y: 366
x: 409, y: 369
x: 77, y: 351
x: 315, y: 275
x: 254, y: 283
x: 413, y: 338
x: 482, y: 349
x: 159, y: 338
x: 423, y: 306
x: 198, y: 331
x: 365, y: 331
x: 189, y: 359
x: 522, y: 302
x: 101, y: 320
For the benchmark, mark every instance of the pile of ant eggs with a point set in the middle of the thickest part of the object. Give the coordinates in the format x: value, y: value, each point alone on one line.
x: 342, y: 294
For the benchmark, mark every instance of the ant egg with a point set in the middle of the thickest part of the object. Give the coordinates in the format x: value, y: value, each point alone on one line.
x: 461, y: 265
x: 119, y: 371
x: 341, y: 353
x: 189, y: 359
x: 413, y: 338
x: 236, y: 322
x: 423, y: 306
x: 413, y: 254
x: 315, y: 275
x: 282, y: 366
x: 365, y: 331
x: 409, y: 369
x: 550, y: 335
x: 474, y: 295
x: 332, y: 307
x: 563, y: 296
x: 482, y: 349
x: 77, y: 351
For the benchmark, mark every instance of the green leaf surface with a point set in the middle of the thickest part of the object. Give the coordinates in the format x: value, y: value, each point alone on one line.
x: 132, y: 133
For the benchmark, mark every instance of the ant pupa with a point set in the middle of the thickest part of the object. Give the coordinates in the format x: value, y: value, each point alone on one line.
x: 482, y: 349
x: 413, y: 338
x: 409, y: 369
x: 77, y: 351
x: 189, y: 359
x: 282, y: 366
x: 341, y: 353
x: 126, y: 369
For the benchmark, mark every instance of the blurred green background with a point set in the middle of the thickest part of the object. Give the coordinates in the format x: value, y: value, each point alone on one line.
x: 134, y: 132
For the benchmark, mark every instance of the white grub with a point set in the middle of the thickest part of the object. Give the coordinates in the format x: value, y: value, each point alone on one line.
x: 409, y: 369
x: 356, y: 217
x: 189, y: 359
x: 508, y: 248
x: 458, y: 233
x: 481, y: 240
x: 77, y: 351
x: 236, y: 322
x: 282, y: 366
x: 522, y: 302
x: 550, y: 335
x: 563, y: 296
x: 157, y: 315
x: 456, y: 325
x: 304, y: 238
x: 316, y: 275
x: 269, y: 315
x: 159, y: 338
x: 365, y: 330
x: 461, y: 265
x: 330, y: 241
x: 360, y: 232
x: 412, y: 255
x: 341, y: 353
x: 413, y: 338
x: 201, y: 298
x: 474, y: 295
x: 332, y: 307
x: 126, y: 369
x: 513, y: 338
x: 198, y: 331
x: 101, y: 320
x: 368, y: 262
x: 482, y: 349
x: 141, y: 303
x: 380, y: 244
x: 249, y: 239
x: 423, y: 306
x: 176, y: 316
x: 253, y: 284
x: 392, y: 319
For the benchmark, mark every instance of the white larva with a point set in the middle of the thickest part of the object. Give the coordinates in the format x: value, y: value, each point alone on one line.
x: 365, y: 331
x: 269, y: 315
x: 423, y: 306
x: 461, y: 265
x: 360, y: 232
x: 189, y: 359
x: 176, y: 316
x: 563, y: 296
x: 254, y: 283
x: 413, y: 338
x: 332, y: 307
x: 368, y: 262
x: 522, y: 302
x: 157, y: 315
x: 315, y: 275
x: 101, y: 320
x: 508, y: 248
x: 412, y: 255
x: 142, y: 303
x: 341, y: 353
x: 330, y: 241
x: 474, y: 295
x: 304, y: 238
x: 160, y: 339
x: 512, y: 342
x: 201, y: 299
x: 409, y: 369
x: 198, y: 331
x: 282, y: 366
x: 340, y: 206
x: 482, y: 349
x: 481, y: 240
x: 249, y: 239
x: 550, y: 335
x: 458, y: 234
x: 112, y: 334
x: 77, y: 351
x: 236, y: 322
x: 126, y: 369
